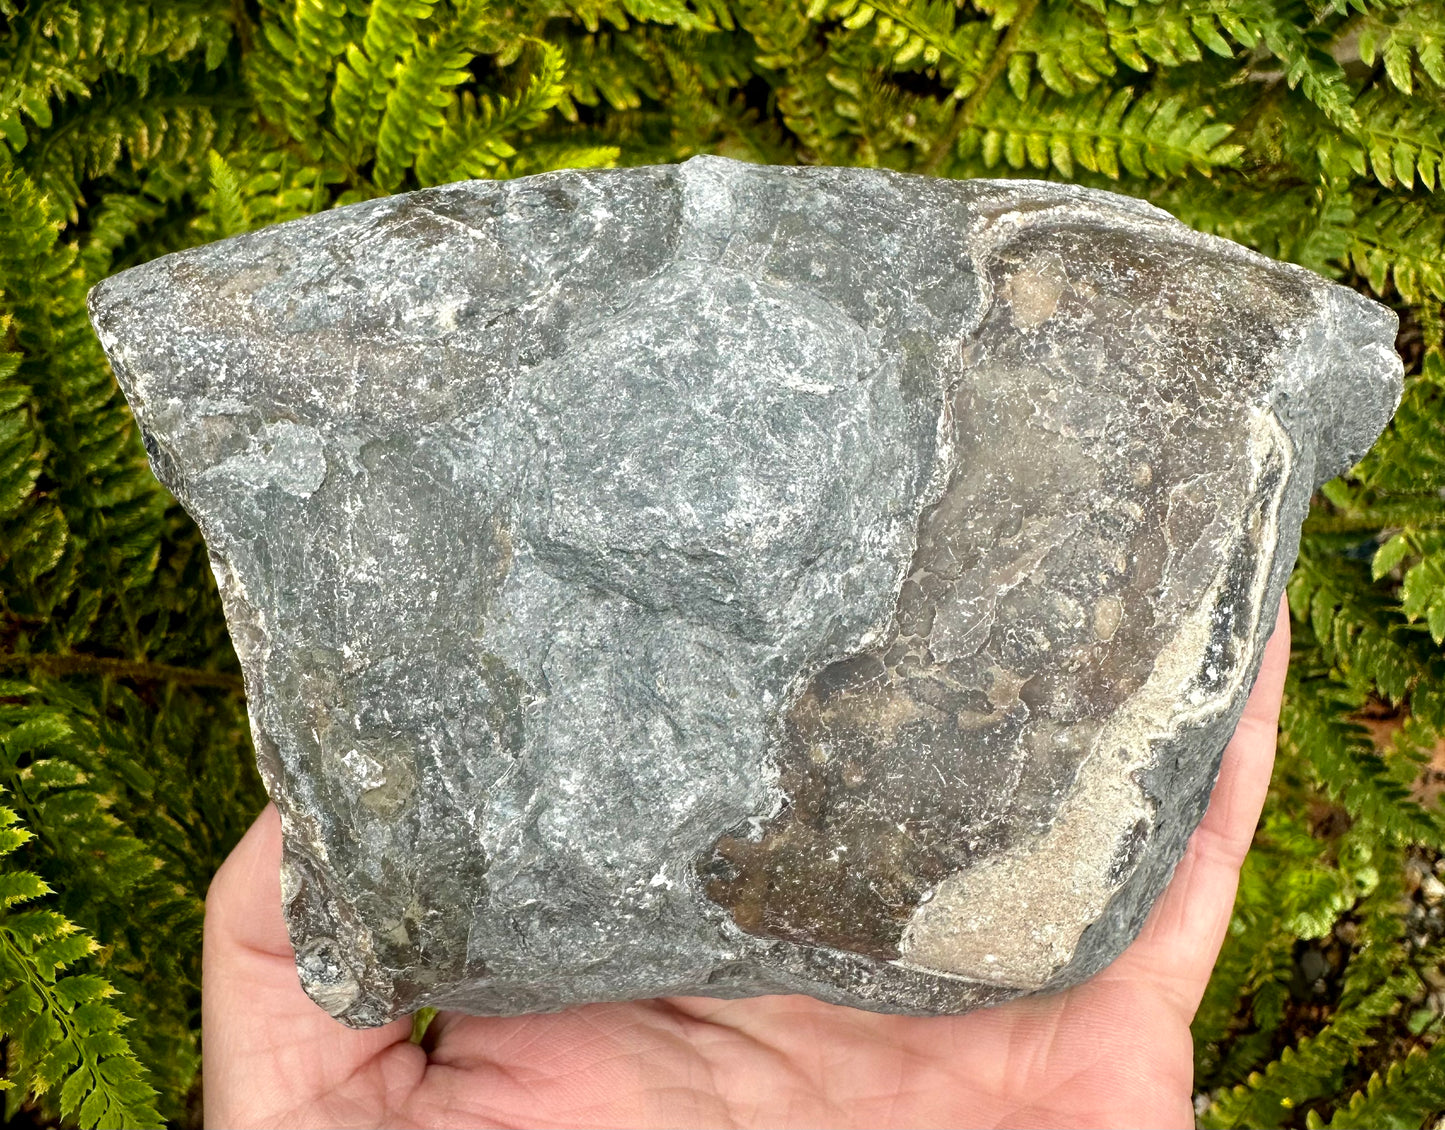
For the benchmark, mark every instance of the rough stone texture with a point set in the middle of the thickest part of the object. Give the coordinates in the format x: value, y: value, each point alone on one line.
x: 723, y: 579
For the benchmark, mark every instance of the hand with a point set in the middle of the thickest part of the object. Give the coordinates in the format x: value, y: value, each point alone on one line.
x: 1114, y: 1051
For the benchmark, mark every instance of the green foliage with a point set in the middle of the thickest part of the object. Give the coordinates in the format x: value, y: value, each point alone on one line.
x: 1110, y: 132
x: 62, y: 1035
x: 131, y: 128
x: 1393, y: 1098
x: 1404, y: 38
x: 1312, y: 1067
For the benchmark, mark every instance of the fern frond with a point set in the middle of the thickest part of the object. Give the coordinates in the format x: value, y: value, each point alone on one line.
x: 1398, y: 139
x: 1379, y: 945
x: 472, y: 141
x: 1359, y: 630
x: 1394, y: 1097
x: 116, y: 219
x: 1170, y: 35
x: 547, y: 158
x: 61, y: 1036
x: 1401, y: 240
x: 778, y: 31
x: 364, y: 76
x: 291, y: 72
x: 129, y: 127
x: 52, y: 52
x: 223, y: 202
x: 1422, y: 591
x: 1074, y: 50
x: 1106, y: 132
x: 1305, y: 64
x: 1403, y: 37
x: 1312, y: 1066
x: 40, y: 67
x: 603, y: 71
x: 1317, y: 728
x: 923, y: 32
x: 21, y: 459
x: 423, y: 88
x: 701, y: 15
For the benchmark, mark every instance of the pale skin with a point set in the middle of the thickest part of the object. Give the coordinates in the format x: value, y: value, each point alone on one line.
x: 1112, y: 1052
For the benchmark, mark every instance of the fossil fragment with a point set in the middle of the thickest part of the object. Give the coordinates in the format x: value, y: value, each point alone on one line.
x: 725, y: 579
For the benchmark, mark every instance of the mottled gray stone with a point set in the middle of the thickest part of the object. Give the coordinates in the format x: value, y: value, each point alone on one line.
x: 730, y: 580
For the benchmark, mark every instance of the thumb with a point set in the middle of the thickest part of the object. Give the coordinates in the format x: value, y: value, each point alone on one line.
x: 271, y: 1055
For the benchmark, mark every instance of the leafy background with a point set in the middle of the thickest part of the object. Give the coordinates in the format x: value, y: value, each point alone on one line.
x: 1309, y: 129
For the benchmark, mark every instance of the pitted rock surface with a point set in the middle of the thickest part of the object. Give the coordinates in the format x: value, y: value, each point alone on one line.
x: 719, y: 579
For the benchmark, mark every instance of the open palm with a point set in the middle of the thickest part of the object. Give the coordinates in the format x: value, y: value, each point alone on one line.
x: 1114, y: 1051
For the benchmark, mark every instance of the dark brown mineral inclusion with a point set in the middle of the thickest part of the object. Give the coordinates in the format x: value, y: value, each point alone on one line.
x: 1041, y: 590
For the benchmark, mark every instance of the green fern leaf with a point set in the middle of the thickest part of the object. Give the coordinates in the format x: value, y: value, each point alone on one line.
x: 1310, y: 1067
x: 223, y: 202
x: 473, y: 139
x: 61, y: 1037
x: 423, y: 88
x: 1105, y: 132
x: 1401, y: 240
x: 364, y: 75
x: 1401, y: 38
x: 1393, y: 1098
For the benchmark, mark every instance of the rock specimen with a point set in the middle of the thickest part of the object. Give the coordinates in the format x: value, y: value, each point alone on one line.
x: 731, y: 580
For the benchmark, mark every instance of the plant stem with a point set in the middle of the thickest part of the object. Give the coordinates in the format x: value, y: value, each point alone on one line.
x: 133, y: 670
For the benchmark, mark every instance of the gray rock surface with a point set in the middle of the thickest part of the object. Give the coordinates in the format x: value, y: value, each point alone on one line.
x: 729, y: 580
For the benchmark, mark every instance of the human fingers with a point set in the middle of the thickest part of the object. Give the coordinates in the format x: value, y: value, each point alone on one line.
x: 1177, y: 948
x: 272, y: 1055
